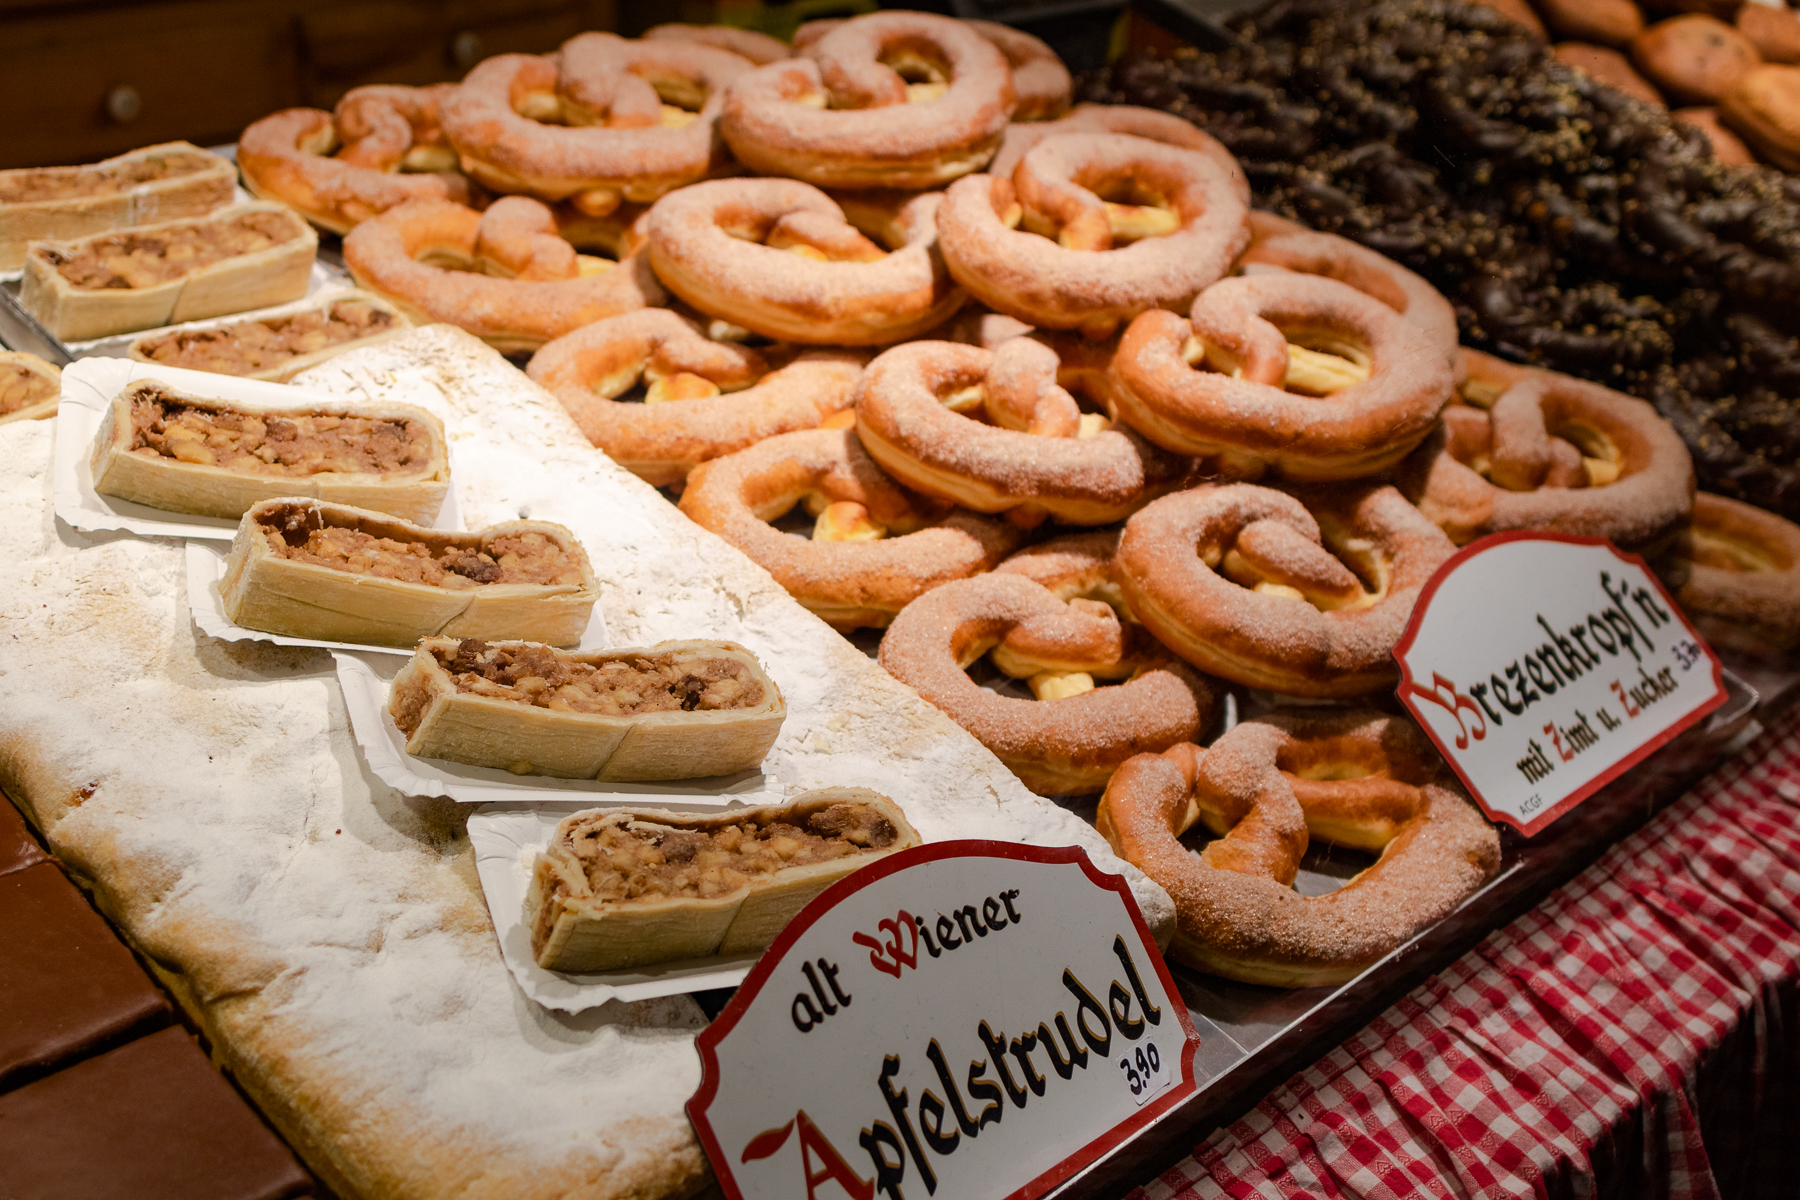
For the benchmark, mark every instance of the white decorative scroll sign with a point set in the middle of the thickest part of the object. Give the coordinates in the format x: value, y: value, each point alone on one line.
x: 962, y: 1019
x: 1546, y: 665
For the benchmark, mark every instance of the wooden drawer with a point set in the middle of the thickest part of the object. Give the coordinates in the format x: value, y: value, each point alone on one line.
x: 86, y: 90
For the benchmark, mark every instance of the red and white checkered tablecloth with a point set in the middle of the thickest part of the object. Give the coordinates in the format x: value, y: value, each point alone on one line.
x: 1637, y: 1034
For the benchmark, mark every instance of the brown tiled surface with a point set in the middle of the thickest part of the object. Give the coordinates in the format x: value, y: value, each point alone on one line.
x: 100, y: 1095
x: 148, y: 1120
x: 68, y: 987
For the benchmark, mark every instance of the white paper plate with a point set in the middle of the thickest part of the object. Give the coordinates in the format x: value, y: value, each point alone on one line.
x: 507, y: 840
x: 206, y: 567
x: 88, y: 388
x: 365, y: 678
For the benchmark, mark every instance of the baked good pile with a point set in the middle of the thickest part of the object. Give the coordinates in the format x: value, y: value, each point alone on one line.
x: 1572, y: 225
x: 1058, y: 405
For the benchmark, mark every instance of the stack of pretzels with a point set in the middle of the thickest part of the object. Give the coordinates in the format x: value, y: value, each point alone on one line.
x: 1055, y: 400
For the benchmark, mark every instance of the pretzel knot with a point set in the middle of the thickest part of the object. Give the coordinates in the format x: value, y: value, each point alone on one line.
x: 1554, y: 453
x: 1357, y: 778
x: 895, y: 99
x: 1298, y: 374
x: 702, y: 399
x: 783, y: 259
x: 604, y: 120
x: 339, y: 169
x: 875, y: 546
x: 994, y: 431
x: 1736, y: 573
x: 503, y: 275
x: 1075, y: 734
x: 1257, y: 585
x: 1092, y: 229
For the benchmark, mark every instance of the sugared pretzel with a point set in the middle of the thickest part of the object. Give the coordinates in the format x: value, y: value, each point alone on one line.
x: 1075, y: 734
x: 1112, y: 225
x: 1736, y: 573
x: 1119, y: 118
x: 703, y: 398
x: 1555, y: 454
x: 1276, y: 243
x: 1302, y: 594
x: 779, y: 258
x: 1356, y: 778
x: 1308, y: 376
x: 503, y: 275
x: 1076, y: 566
x: 380, y: 149
x: 759, y: 48
x: 1036, y: 452
x: 634, y: 119
x: 893, y: 100
x: 1040, y: 80
x: 874, y: 548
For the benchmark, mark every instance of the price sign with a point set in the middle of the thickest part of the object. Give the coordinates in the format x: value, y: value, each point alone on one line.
x: 1546, y: 665
x: 961, y: 1019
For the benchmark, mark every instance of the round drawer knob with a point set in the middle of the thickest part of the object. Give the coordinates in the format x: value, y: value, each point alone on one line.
x: 466, y: 48
x: 123, y: 104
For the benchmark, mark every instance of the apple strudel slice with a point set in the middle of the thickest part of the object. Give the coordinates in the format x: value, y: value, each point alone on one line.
x: 252, y: 256
x: 140, y: 187
x: 312, y: 569
x: 629, y: 887
x: 276, y: 348
x: 215, y: 458
x: 675, y: 710
x: 29, y: 387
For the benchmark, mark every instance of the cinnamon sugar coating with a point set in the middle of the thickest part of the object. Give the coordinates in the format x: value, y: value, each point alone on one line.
x: 1066, y: 268
x: 1032, y: 456
x: 1277, y: 243
x: 749, y: 398
x: 1354, y: 777
x: 1241, y: 413
x: 850, y: 584
x: 728, y: 247
x: 1041, y: 83
x: 1119, y: 118
x: 339, y: 169
x: 398, y: 255
x: 839, y: 115
x: 759, y: 48
x: 1557, y: 454
x: 1736, y: 573
x: 1302, y: 593
x: 1066, y: 745
x: 605, y: 119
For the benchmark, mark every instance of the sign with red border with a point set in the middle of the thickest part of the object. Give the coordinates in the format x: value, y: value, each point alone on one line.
x: 963, y: 1019
x: 1545, y: 665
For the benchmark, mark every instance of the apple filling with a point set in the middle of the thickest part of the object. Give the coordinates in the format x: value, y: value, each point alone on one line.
x: 627, y: 857
x: 21, y: 388
x: 252, y: 346
x: 448, y: 561
x: 107, y: 179
x: 134, y: 259
x: 291, y: 445
x: 628, y: 685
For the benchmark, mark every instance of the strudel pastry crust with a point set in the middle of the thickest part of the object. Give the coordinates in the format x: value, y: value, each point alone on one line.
x: 215, y: 458
x: 253, y: 256
x: 313, y: 569
x: 675, y: 710
x: 141, y: 187
x: 277, y: 348
x: 29, y: 387
x: 628, y: 887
